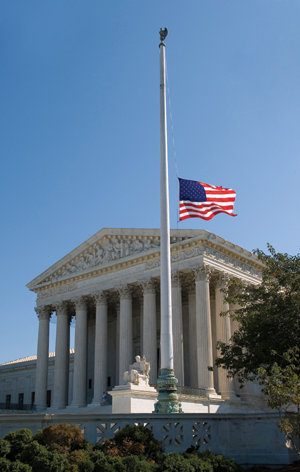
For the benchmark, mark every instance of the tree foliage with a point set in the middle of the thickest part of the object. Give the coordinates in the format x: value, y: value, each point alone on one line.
x: 18, y: 440
x: 61, y: 438
x: 265, y: 347
x: 133, y: 440
x: 282, y: 389
x: 268, y: 318
x: 133, y: 449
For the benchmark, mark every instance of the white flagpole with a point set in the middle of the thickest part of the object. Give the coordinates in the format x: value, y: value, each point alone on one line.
x: 166, y: 341
x: 166, y: 382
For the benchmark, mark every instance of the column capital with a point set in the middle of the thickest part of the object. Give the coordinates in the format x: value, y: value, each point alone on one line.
x: 100, y: 298
x: 61, y: 308
x: 124, y: 292
x: 224, y: 280
x: 80, y: 303
x: 44, y: 312
x: 202, y: 273
x: 148, y: 286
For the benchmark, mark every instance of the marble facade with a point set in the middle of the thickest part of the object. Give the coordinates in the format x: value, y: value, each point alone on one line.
x: 110, y: 286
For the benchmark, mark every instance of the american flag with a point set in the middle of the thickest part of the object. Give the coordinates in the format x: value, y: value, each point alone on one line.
x: 197, y: 199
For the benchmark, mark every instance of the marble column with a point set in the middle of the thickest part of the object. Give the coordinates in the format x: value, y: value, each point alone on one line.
x: 41, y: 379
x: 149, y: 336
x: 177, y: 328
x: 101, y: 333
x: 62, y: 357
x: 192, y: 337
x: 125, y: 333
x: 223, y: 333
x: 80, y: 357
x: 204, y: 331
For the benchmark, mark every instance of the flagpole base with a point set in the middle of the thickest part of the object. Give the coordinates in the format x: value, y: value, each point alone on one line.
x: 167, y: 393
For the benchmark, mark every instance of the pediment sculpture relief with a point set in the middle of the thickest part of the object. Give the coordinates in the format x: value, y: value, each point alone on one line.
x: 103, y: 252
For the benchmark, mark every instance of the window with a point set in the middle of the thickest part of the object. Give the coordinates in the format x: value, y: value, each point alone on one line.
x: 48, y: 398
x: 7, y: 401
x: 21, y: 400
x: 108, y: 381
x: 90, y: 383
x: 32, y: 398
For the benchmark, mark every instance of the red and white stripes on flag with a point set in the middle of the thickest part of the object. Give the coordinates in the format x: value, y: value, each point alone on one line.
x: 200, y: 200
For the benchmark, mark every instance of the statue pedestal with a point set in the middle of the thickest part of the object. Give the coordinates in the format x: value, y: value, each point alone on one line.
x: 131, y: 398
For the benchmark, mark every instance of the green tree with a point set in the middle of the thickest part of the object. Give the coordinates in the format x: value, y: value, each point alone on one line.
x: 41, y: 459
x: 18, y: 441
x: 176, y: 462
x: 136, y: 464
x: 13, y: 466
x: 133, y: 440
x: 4, y: 448
x: 62, y: 438
x: 218, y: 462
x: 4, y: 464
x: 265, y: 346
x: 18, y: 466
x: 269, y: 318
x: 282, y: 389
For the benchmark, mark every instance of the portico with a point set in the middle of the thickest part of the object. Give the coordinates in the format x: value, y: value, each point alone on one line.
x: 110, y: 285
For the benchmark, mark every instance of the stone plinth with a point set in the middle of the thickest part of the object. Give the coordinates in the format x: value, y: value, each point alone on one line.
x: 133, y: 398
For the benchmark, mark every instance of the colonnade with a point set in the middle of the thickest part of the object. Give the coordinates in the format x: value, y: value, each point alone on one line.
x: 204, y: 291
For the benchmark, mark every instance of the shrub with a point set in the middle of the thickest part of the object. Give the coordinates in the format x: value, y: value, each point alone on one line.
x: 220, y: 463
x: 4, y: 448
x: 114, y: 464
x: 135, y: 464
x: 86, y: 466
x: 18, y: 441
x: 80, y: 461
x: 175, y: 462
x: 100, y: 461
x: 4, y: 464
x: 41, y: 459
x: 62, y: 438
x: 133, y: 440
x: 17, y: 466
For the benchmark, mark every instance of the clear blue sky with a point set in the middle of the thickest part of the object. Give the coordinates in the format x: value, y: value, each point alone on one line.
x: 79, y: 127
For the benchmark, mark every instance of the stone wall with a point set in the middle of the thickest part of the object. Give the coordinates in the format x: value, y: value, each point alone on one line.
x: 247, y: 438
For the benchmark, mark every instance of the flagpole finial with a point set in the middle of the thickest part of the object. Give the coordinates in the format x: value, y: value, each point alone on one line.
x: 163, y: 34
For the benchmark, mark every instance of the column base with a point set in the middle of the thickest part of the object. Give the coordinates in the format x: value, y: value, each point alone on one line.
x: 57, y: 407
x: 167, y: 393
x: 40, y: 407
x: 212, y: 394
x: 76, y: 405
x: 94, y: 403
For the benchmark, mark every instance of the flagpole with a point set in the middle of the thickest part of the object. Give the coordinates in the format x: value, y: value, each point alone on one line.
x: 166, y: 382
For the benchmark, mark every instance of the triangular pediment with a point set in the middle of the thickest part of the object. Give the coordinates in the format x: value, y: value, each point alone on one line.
x: 107, y: 247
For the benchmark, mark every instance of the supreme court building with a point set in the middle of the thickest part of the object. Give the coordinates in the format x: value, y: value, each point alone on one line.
x: 110, y: 287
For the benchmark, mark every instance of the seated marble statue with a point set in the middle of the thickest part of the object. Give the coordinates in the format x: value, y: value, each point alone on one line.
x: 138, y: 372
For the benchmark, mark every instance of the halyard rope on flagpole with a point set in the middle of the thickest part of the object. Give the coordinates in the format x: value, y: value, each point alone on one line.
x: 174, y: 153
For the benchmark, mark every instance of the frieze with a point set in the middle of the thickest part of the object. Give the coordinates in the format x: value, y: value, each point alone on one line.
x: 153, y: 264
x: 49, y: 292
x: 214, y: 256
